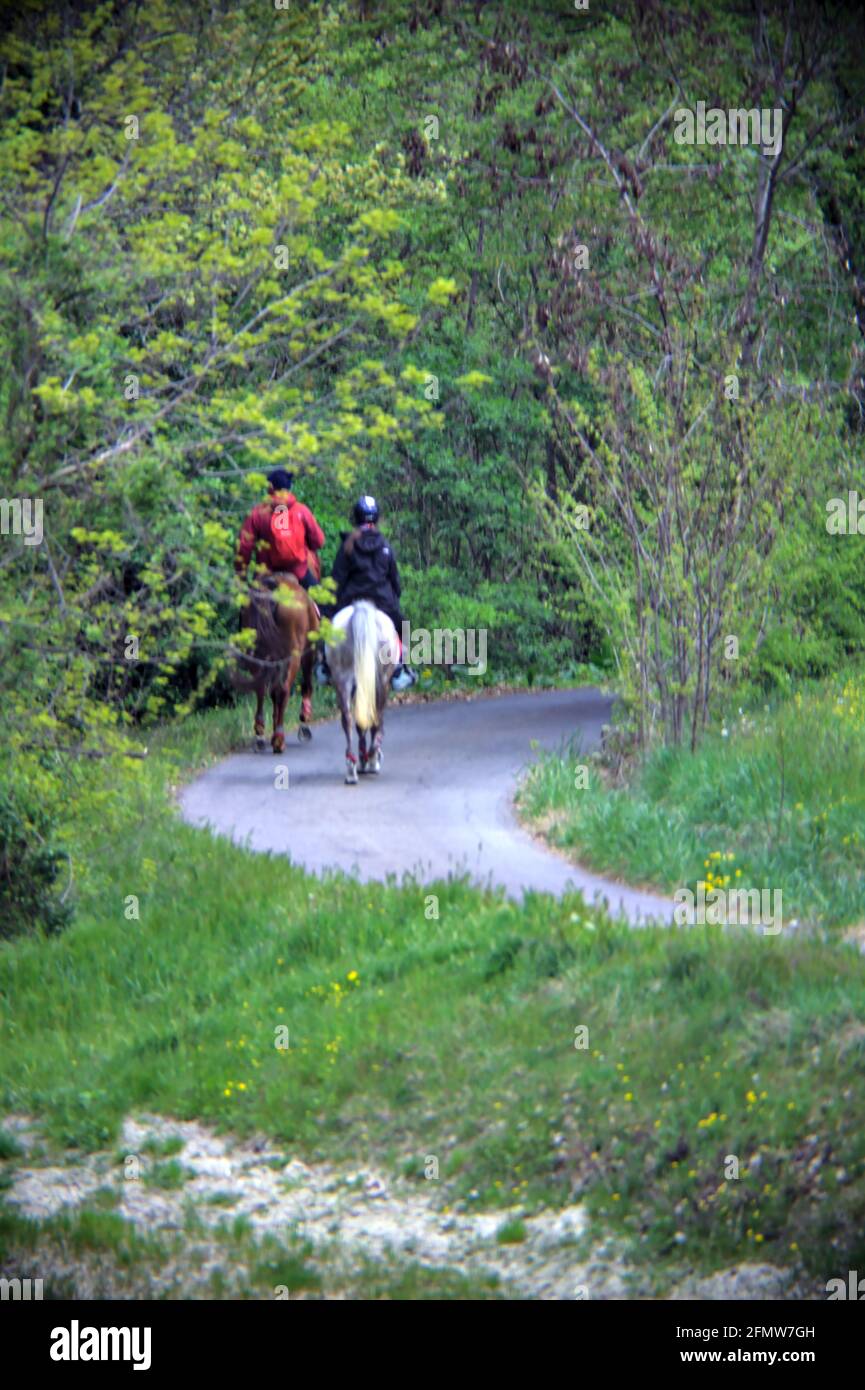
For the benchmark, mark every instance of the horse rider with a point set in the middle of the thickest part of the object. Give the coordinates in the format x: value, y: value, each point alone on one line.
x: 283, y: 532
x: 365, y: 568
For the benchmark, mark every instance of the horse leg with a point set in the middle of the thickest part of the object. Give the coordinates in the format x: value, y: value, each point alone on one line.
x: 377, y: 732
x: 361, y: 749
x: 306, y: 669
x: 259, y: 714
x: 248, y: 621
x: 375, y: 752
x: 277, y: 739
x: 290, y: 621
x: 280, y: 700
x: 343, y: 695
x: 307, y: 665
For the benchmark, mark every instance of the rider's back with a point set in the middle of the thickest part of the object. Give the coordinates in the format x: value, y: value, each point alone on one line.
x: 365, y: 567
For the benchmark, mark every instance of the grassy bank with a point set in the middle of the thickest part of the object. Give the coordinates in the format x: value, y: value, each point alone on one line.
x: 440, y: 1020
x: 774, y: 797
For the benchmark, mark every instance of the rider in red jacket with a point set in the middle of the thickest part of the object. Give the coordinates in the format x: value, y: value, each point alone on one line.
x: 256, y: 532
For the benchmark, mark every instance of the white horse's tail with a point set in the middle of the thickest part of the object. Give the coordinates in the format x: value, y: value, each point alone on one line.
x: 364, y: 635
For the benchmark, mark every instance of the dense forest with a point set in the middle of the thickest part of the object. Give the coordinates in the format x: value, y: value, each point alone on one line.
x: 510, y: 266
x: 604, y: 383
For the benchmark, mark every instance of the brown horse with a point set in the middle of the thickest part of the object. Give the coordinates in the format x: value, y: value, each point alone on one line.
x: 282, y: 625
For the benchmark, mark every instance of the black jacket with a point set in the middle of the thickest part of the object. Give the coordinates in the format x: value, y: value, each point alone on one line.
x: 365, y: 567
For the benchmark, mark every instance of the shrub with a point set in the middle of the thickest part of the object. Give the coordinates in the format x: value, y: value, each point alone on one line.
x: 30, y: 866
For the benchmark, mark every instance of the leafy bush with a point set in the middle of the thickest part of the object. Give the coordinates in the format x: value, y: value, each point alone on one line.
x: 818, y: 620
x: 523, y: 636
x: 29, y: 869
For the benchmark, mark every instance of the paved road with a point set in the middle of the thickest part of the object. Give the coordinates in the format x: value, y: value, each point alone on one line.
x: 442, y: 803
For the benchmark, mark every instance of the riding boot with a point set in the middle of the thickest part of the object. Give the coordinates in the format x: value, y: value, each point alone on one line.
x: 403, y: 678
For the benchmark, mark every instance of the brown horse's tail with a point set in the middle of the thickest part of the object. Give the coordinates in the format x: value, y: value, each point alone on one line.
x: 263, y: 663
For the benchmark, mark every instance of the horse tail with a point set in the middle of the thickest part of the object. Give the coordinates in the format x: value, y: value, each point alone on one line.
x: 262, y: 611
x: 264, y: 607
x: 364, y: 636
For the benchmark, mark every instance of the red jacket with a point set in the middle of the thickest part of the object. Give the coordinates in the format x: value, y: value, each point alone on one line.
x: 256, y: 531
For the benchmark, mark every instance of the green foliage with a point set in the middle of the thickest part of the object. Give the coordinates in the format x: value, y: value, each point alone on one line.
x: 10, y: 1147
x: 180, y: 311
x: 351, y: 251
x: 815, y: 621
x: 121, y: 1015
x: 773, y: 798
x: 511, y: 1233
x: 170, y: 1176
x: 365, y: 289
x: 31, y: 867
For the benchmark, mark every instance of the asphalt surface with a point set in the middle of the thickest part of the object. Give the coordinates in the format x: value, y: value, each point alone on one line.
x: 441, y: 805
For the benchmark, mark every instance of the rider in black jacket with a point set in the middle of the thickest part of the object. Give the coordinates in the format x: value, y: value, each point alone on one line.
x: 365, y: 567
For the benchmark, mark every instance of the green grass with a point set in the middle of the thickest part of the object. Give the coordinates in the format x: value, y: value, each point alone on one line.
x: 260, y: 1268
x: 9, y: 1145
x: 169, y: 1176
x: 163, y: 1148
x: 285, y: 1274
x: 104, y: 1199
x: 84, y: 1232
x: 777, y: 802
x: 417, y: 1282
x: 453, y: 1038
x: 511, y: 1232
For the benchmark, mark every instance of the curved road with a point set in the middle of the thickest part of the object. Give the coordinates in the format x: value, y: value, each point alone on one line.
x: 441, y: 805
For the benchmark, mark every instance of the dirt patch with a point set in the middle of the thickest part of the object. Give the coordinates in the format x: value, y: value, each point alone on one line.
x: 348, y: 1219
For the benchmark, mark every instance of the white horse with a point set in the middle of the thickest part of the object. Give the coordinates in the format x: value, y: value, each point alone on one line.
x: 361, y: 666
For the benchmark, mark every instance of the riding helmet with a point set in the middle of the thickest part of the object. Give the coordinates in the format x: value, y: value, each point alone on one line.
x: 365, y: 510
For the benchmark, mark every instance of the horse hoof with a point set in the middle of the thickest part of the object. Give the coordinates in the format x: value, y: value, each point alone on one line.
x: 350, y: 775
x: 304, y: 733
x: 260, y: 743
x: 278, y: 744
x: 373, y: 765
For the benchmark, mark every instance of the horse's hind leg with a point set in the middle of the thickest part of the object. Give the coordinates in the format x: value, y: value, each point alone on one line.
x: 375, y: 752
x: 258, y: 726
x: 277, y: 700
x: 307, y: 665
x: 280, y: 700
x: 306, y: 669
x: 343, y: 696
